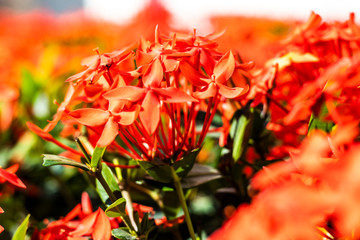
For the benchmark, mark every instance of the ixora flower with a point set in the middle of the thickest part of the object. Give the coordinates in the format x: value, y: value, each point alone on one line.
x: 78, y: 224
x: 143, y: 103
x: 8, y: 175
x: 312, y: 93
x: 148, y: 96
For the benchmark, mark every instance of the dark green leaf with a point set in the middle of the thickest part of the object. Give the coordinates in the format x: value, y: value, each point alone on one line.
x: 20, y: 232
x: 51, y: 160
x: 200, y: 174
x: 97, y: 156
x: 122, y: 234
x: 116, y: 209
x: 161, y: 173
x: 183, y: 166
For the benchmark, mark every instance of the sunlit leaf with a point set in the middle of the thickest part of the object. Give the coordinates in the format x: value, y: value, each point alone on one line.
x: 122, y: 234
x: 117, y: 208
x: 317, y: 123
x: 183, y: 166
x: 96, y: 156
x: 20, y: 232
x: 111, y: 182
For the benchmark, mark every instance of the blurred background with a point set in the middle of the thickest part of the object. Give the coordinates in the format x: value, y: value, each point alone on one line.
x: 190, y: 13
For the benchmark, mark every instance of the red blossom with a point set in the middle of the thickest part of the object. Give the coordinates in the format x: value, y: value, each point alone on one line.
x: 9, y: 176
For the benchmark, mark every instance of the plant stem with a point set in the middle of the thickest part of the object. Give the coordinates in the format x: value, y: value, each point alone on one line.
x: 112, y: 197
x: 125, y: 194
x: 181, y: 196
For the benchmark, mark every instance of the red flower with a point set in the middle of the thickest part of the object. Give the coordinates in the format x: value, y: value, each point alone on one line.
x: 217, y: 82
x: 9, y: 175
x: 79, y: 223
x: 151, y: 96
x: 111, y: 118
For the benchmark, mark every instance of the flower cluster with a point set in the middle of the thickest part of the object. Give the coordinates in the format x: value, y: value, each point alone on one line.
x: 312, y: 92
x: 150, y: 94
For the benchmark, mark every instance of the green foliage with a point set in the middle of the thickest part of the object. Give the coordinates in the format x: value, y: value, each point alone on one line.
x: 162, y: 172
x: 52, y: 160
x: 20, y: 232
x: 117, y: 208
x: 123, y: 234
x: 318, y: 123
x: 97, y: 156
x: 109, y: 177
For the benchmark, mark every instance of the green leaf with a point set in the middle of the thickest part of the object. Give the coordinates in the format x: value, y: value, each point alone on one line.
x: 183, y: 166
x: 317, y: 123
x: 200, y: 174
x: 97, y: 156
x: 162, y: 172
x: 122, y: 234
x: 20, y: 232
x: 111, y: 182
x: 242, y: 134
x: 116, y: 209
x: 51, y: 160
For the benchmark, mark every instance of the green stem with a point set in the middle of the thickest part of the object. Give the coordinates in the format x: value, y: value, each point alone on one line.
x: 129, y: 208
x: 112, y: 197
x: 181, y: 196
x: 125, y: 194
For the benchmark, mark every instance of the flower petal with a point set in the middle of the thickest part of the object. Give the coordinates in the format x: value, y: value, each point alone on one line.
x: 128, y: 117
x: 150, y: 114
x: 154, y: 74
x: 192, y: 75
x: 11, y: 178
x: 116, y: 106
x: 207, y: 61
x: 173, y: 95
x: 130, y: 93
x: 86, y: 203
x: 229, y: 92
x: 86, y: 225
x: 90, y: 116
x: 102, y: 227
x: 109, y: 133
x: 224, y: 68
x: 78, y: 76
x: 206, y: 92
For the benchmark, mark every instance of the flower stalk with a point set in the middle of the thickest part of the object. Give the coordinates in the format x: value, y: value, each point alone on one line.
x: 180, y: 193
